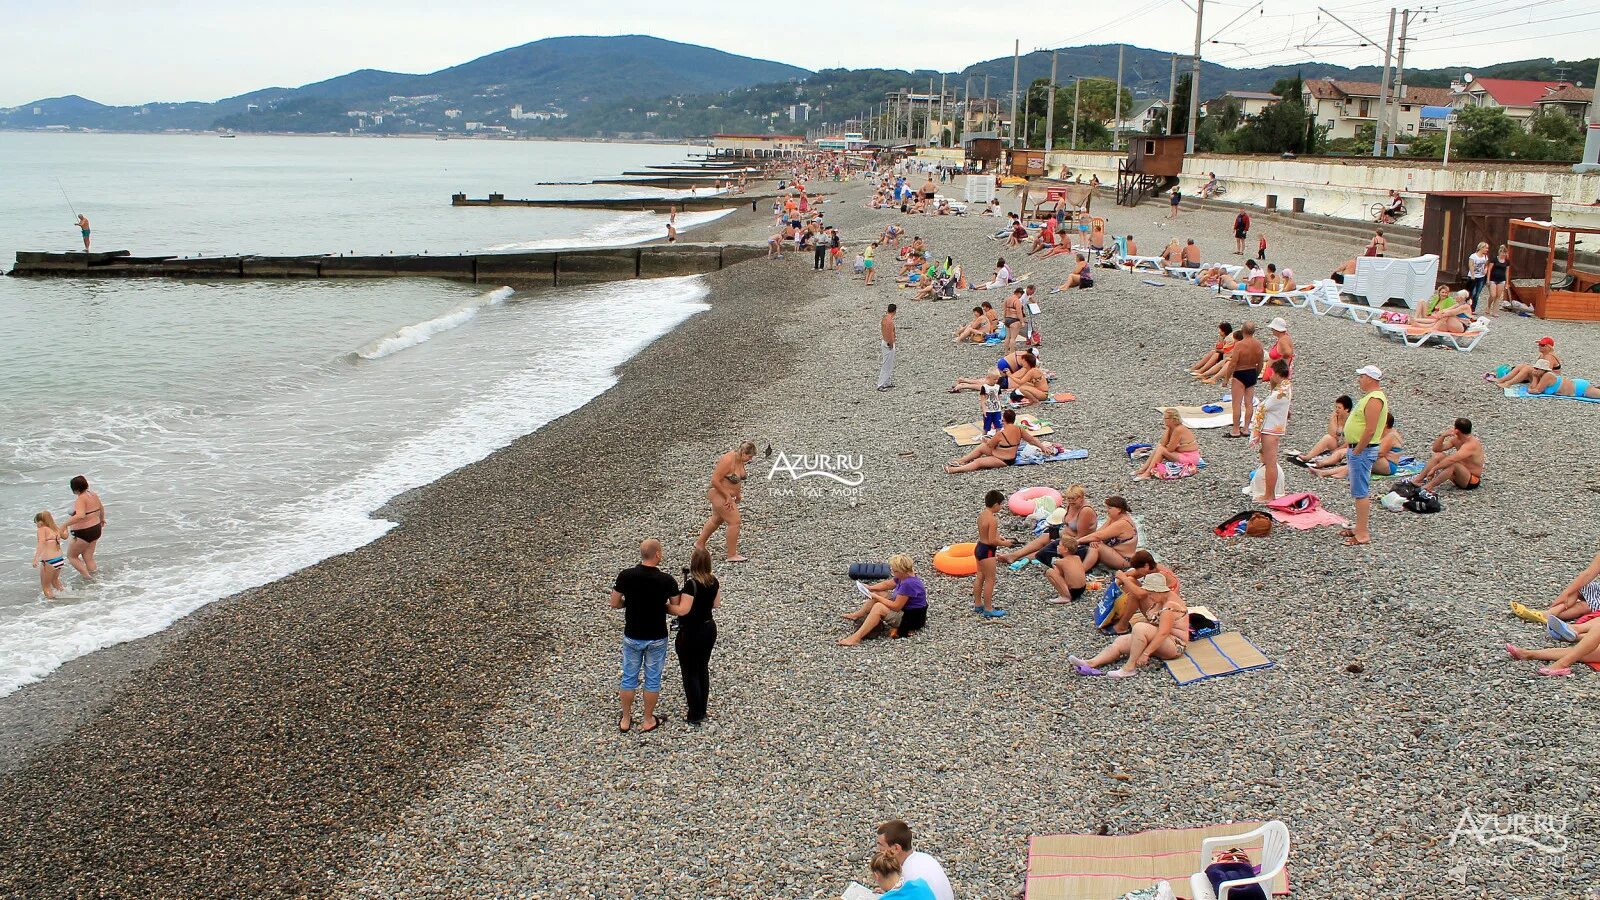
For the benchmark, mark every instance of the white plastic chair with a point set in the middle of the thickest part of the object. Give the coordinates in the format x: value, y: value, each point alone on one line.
x: 1274, y: 837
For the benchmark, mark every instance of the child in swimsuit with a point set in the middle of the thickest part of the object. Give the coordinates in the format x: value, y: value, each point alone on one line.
x: 47, y: 555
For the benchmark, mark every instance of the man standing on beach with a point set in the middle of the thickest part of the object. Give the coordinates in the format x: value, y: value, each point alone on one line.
x: 725, y: 494
x: 1247, y: 357
x: 1361, y: 428
x: 886, y: 370
x: 642, y: 593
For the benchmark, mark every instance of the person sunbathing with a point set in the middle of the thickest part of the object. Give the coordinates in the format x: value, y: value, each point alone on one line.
x: 1073, y: 517
x: 1218, y: 352
x: 1521, y: 374
x: 1005, y: 368
x: 1447, y: 312
x: 1246, y: 275
x: 1191, y: 254
x: 1166, y: 638
x: 1344, y: 271
x: 999, y: 449
x: 1142, y: 606
x: 1550, y: 384
x: 992, y: 209
x: 1222, y: 370
x: 1457, y: 458
x: 1029, y: 386
x: 1111, y: 543
x: 975, y: 330
x: 1331, y: 447
x: 1002, y: 276
x: 1172, y: 254
x: 1177, y: 444
x: 1078, y: 275
x: 1580, y: 598
x: 1391, y: 446
x: 1019, y: 233
x: 1211, y: 276
x: 1133, y: 249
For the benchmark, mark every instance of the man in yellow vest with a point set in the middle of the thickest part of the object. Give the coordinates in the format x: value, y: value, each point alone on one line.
x: 1361, y: 429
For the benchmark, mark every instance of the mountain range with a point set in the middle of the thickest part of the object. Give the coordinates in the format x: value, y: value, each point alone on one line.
x: 636, y: 85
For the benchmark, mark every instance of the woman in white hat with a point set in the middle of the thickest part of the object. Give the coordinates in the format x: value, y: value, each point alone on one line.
x: 1165, y: 639
x: 1282, y: 345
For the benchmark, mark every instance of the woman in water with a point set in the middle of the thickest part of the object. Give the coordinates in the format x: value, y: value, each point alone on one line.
x: 47, y: 556
x: 989, y: 542
x: 85, y: 524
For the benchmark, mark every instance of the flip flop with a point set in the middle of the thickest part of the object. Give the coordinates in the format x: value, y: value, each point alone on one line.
x: 1119, y: 673
x: 1555, y: 671
x: 1515, y: 653
x: 625, y: 728
x: 1352, y: 542
x: 660, y: 721
x: 1347, y: 532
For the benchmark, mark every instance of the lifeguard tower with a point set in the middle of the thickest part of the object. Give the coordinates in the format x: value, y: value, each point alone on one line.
x: 1153, y: 163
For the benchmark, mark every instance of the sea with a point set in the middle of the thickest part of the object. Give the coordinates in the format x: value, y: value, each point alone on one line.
x: 240, y: 430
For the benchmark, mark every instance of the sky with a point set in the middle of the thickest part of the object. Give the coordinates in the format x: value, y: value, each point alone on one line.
x: 125, y: 53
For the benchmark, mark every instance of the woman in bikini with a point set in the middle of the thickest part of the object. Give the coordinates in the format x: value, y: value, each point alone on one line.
x: 1177, y: 444
x: 1390, y: 446
x: 989, y: 542
x: 1446, y: 311
x: 1080, y: 270
x: 1005, y: 368
x: 47, y: 556
x: 1073, y: 517
x: 1282, y: 344
x: 1331, y: 447
x: 1165, y: 639
x: 999, y: 449
x: 1550, y: 384
x: 1529, y: 371
x: 1218, y: 352
x: 87, y: 521
x: 1112, y: 543
x: 973, y: 331
x: 1030, y: 386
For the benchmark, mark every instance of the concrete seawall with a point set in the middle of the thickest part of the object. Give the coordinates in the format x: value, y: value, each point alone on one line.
x: 581, y: 265
x: 651, y: 204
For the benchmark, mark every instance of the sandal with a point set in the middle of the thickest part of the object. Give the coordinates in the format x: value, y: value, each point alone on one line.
x: 1352, y: 542
x: 660, y: 720
x: 1555, y: 671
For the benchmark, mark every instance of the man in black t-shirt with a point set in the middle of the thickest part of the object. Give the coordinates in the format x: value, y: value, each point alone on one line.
x: 642, y: 593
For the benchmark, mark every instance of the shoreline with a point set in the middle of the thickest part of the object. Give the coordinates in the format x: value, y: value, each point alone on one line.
x: 428, y: 714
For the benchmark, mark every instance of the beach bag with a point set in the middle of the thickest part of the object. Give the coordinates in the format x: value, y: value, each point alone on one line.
x: 1202, y: 624
x: 1218, y: 872
x: 869, y: 571
x: 1395, y: 318
x: 1087, y: 281
x: 1250, y: 523
x: 1109, y: 607
x: 1424, y: 502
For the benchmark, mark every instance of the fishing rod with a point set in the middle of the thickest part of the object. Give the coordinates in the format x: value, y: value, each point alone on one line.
x: 66, y: 198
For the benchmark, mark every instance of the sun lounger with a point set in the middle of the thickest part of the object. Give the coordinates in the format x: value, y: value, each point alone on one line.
x: 1417, y: 336
x: 1326, y: 301
x: 1135, y: 263
x: 1380, y: 279
x: 1192, y: 273
x: 1297, y: 298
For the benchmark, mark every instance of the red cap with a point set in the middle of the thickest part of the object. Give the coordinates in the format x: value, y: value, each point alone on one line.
x: 1547, y: 342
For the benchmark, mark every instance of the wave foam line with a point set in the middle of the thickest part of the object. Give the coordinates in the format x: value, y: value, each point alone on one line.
x: 412, y: 335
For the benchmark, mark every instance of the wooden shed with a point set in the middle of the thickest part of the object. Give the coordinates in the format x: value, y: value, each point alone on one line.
x: 1455, y: 222
x: 1156, y: 154
x: 1027, y: 163
x: 1153, y: 161
x: 983, y: 148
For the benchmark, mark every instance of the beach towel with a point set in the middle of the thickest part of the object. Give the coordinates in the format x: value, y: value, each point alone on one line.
x: 1171, y: 471
x: 1226, y: 654
x: 969, y: 434
x: 1096, y: 867
x: 1030, y: 455
x: 1197, y: 417
x: 1520, y: 392
x: 1404, y: 468
x: 1303, y: 512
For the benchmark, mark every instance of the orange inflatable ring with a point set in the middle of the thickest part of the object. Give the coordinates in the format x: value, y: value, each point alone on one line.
x: 1021, y: 503
x: 957, y: 559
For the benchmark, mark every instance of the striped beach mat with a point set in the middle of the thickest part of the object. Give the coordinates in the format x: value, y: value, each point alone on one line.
x: 1228, y: 653
x: 970, y: 434
x: 1094, y: 867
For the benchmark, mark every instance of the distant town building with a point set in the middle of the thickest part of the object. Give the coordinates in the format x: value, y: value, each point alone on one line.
x: 1570, y: 99
x: 452, y: 114
x: 757, y: 145
x: 799, y: 112
x: 1145, y: 117
x: 1250, y: 103
x: 1519, y: 99
x: 1342, y: 107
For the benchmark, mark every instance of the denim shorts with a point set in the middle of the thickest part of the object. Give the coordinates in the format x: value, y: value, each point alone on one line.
x: 1361, y: 471
x: 650, y: 655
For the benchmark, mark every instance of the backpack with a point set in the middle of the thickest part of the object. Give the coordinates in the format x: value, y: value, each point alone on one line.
x: 1243, y: 222
x: 1424, y: 502
x: 1250, y: 523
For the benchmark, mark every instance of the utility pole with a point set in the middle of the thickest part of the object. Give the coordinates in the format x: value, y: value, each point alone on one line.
x: 1591, y: 143
x: 1399, y: 77
x: 1172, y: 92
x: 966, y: 108
x: 1077, y: 91
x: 927, y: 130
x: 985, y: 103
x: 1116, y: 118
x: 1016, y: 72
x: 1050, y: 111
x: 941, y: 110
x: 1378, y: 143
x: 1194, y: 79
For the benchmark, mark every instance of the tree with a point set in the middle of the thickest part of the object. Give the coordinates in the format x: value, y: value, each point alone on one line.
x: 1283, y: 127
x: 1484, y: 133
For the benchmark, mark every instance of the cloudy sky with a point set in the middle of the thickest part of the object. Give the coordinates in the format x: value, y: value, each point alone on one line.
x: 121, y: 53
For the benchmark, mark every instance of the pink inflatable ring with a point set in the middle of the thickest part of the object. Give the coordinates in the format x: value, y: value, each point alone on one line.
x: 1022, y: 502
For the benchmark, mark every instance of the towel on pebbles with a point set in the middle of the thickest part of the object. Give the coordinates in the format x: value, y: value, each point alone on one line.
x: 1030, y: 455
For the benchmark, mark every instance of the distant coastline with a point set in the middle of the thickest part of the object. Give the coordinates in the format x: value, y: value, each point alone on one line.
x: 664, y: 142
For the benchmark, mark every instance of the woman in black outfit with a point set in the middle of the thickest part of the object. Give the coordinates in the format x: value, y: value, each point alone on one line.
x: 697, y: 632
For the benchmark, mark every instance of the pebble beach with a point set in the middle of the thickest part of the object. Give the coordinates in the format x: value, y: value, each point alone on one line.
x: 433, y: 715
